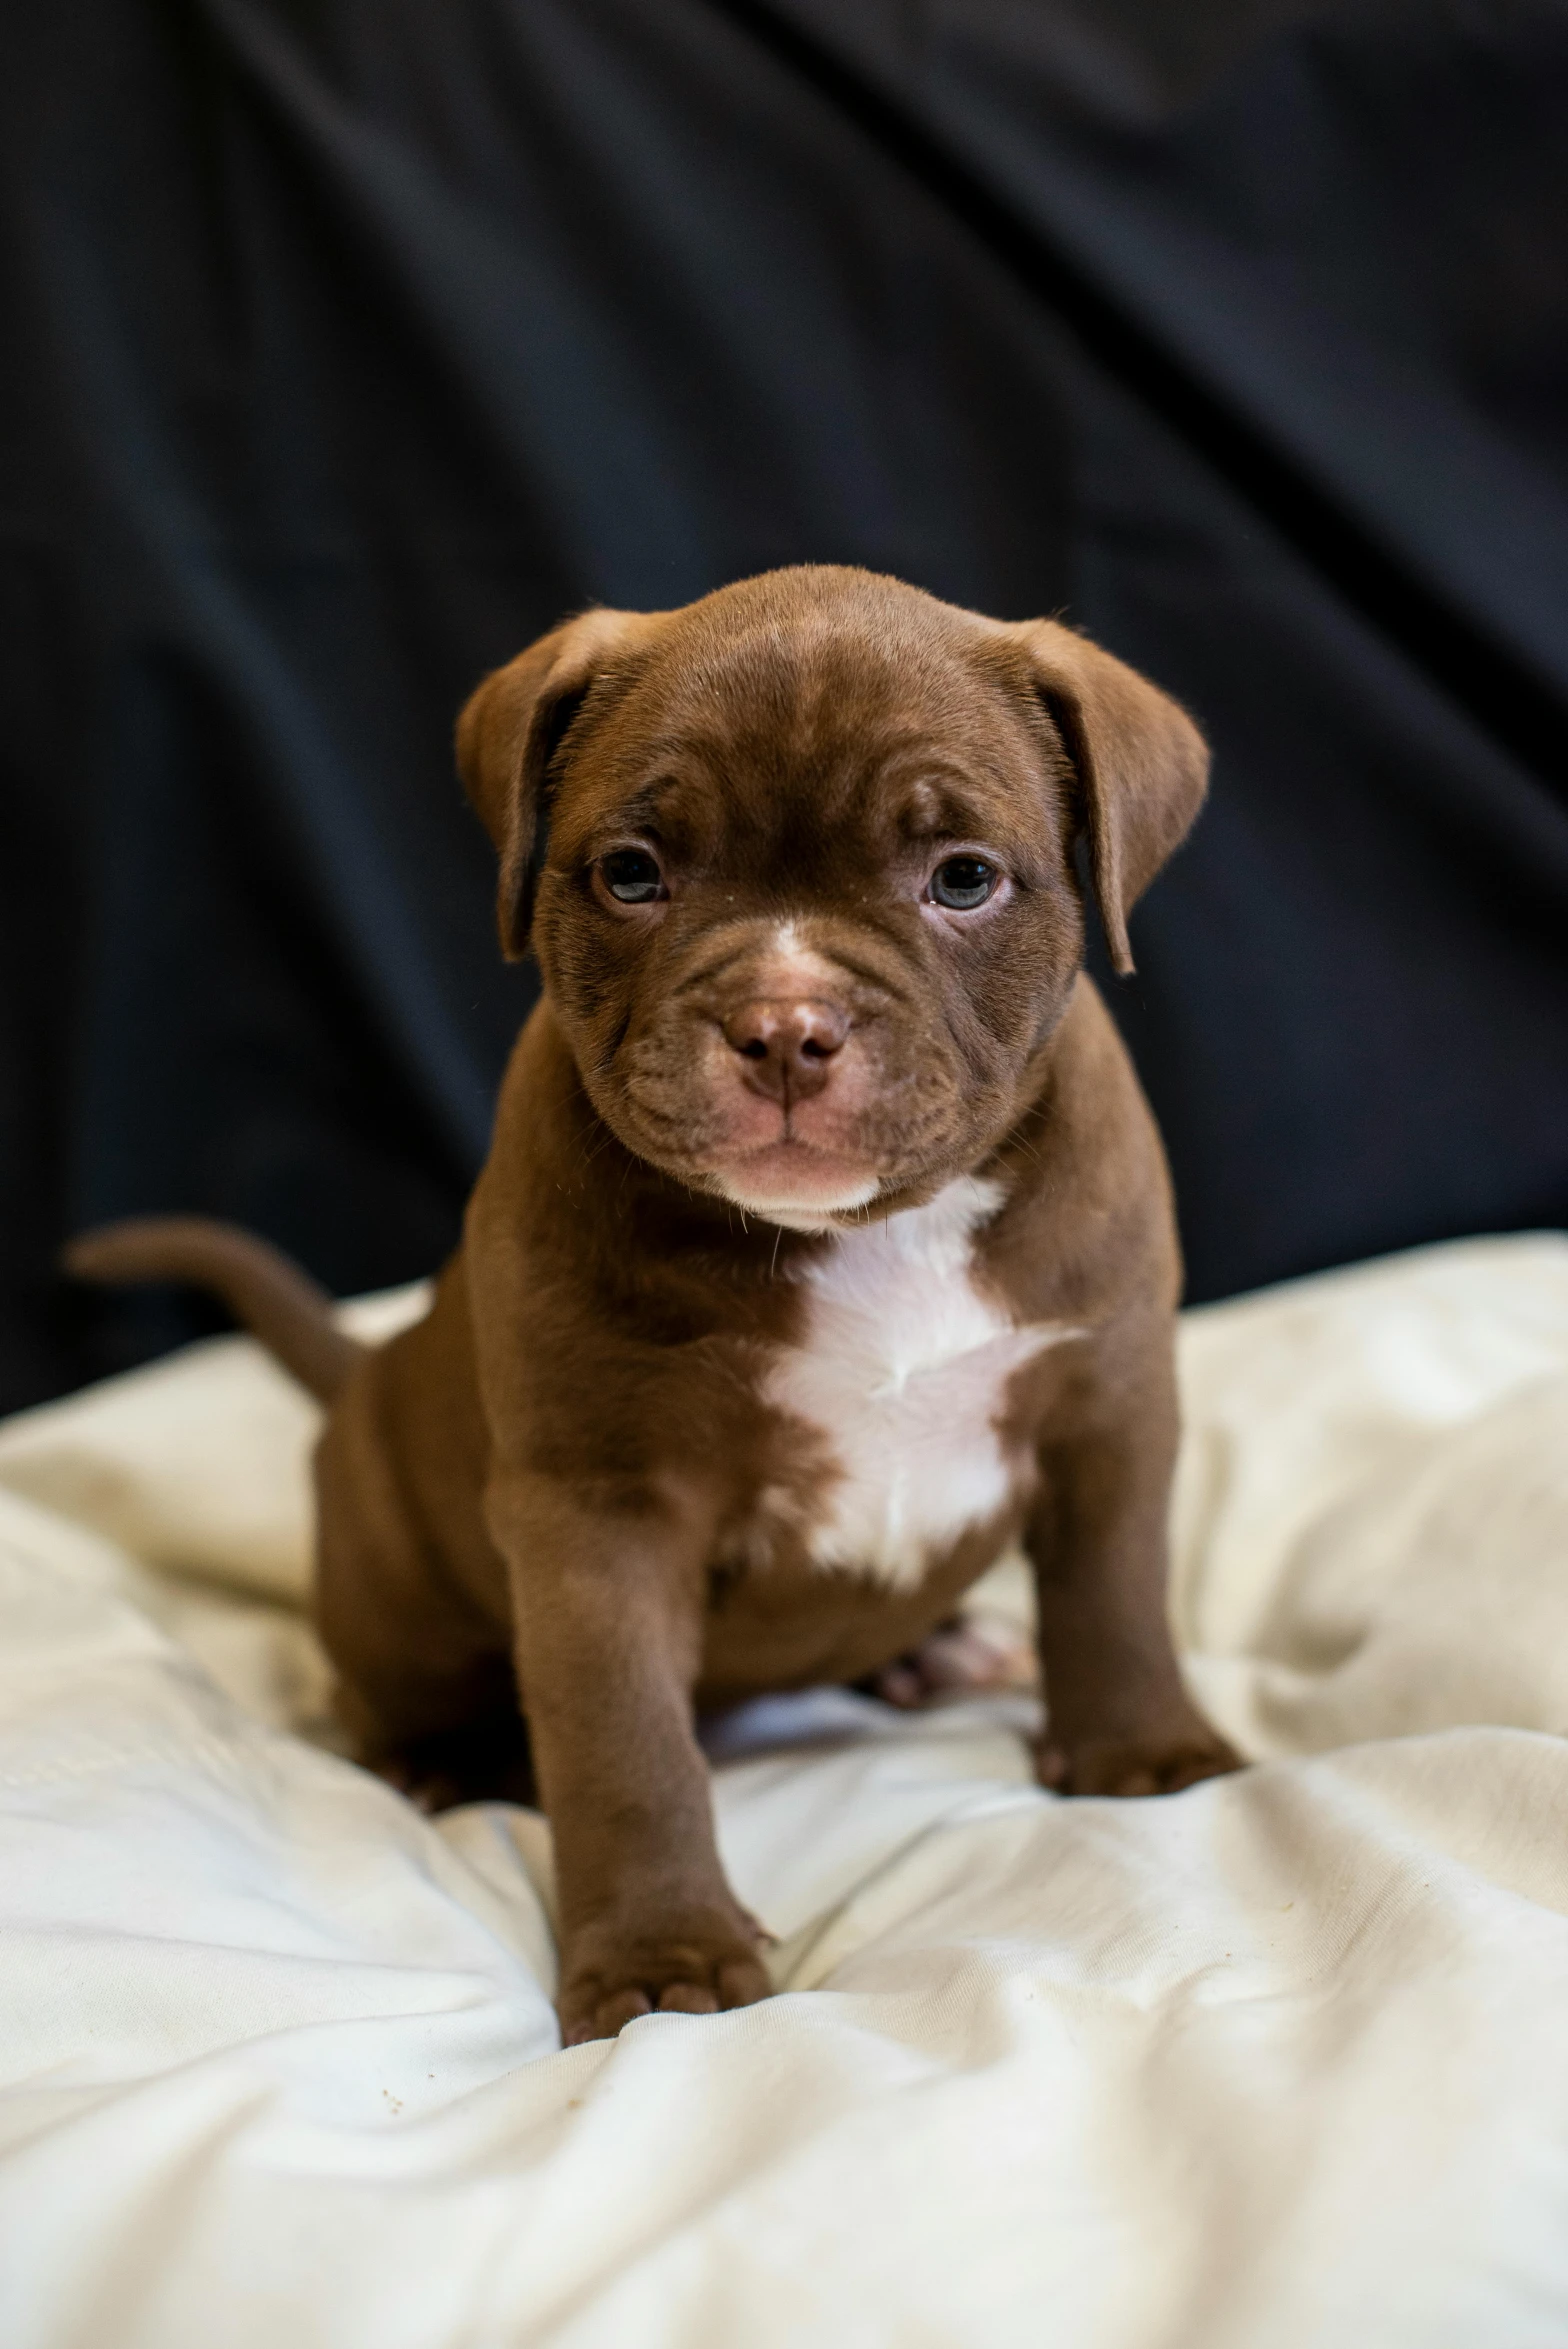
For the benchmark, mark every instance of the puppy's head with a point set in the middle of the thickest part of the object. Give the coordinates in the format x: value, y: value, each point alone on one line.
x: 798, y: 864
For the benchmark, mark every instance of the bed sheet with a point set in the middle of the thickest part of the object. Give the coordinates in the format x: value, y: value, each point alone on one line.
x: 1279, y: 2061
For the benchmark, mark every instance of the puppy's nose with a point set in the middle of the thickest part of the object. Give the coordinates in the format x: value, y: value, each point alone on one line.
x: 790, y: 1045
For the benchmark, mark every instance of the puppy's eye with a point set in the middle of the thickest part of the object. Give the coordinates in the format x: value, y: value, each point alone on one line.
x: 632, y: 876
x: 963, y: 882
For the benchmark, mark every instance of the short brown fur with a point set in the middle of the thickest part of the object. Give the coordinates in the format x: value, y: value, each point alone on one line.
x: 551, y: 1486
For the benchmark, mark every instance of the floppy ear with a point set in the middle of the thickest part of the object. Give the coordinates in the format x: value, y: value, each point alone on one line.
x: 1141, y: 765
x: 510, y: 729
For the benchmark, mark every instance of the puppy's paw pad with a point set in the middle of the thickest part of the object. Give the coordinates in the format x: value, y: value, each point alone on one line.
x: 970, y: 1655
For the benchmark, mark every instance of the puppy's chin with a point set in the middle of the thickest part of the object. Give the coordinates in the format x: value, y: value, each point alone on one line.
x: 803, y: 1189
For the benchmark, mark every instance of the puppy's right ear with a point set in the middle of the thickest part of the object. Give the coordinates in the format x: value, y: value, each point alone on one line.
x: 509, y: 732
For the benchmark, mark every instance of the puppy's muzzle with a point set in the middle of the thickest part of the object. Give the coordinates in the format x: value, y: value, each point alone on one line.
x: 788, y: 1046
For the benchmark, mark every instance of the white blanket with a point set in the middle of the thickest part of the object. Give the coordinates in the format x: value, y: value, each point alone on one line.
x: 1283, y: 2060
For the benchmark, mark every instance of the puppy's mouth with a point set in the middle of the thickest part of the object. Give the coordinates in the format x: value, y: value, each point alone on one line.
x: 787, y: 1083
x: 795, y: 1183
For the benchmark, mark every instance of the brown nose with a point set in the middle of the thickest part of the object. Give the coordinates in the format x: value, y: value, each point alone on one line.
x: 790, y: 1045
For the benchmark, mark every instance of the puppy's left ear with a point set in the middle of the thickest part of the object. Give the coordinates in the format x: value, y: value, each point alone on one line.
x: 510, y: 729
x: 1141, y: 765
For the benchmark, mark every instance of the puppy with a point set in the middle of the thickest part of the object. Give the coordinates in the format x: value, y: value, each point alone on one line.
x: 824, y: 1248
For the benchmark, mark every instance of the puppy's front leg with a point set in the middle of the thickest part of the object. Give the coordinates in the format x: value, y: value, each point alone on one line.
x: 608, y: 1615
x: 1119, y: 1720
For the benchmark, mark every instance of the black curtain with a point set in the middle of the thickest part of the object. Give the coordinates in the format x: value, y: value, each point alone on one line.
x: 349, y: 343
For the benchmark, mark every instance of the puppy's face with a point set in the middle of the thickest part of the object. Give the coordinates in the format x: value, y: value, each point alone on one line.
x: 808, y: 908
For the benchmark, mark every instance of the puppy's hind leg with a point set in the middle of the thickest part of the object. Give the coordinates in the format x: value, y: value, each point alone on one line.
x: 968, y: 1655
x: 426, y: 1688
x: 479, y: 1753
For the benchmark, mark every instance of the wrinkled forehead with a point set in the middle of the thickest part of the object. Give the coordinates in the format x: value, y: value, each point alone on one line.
x: 821, y: 728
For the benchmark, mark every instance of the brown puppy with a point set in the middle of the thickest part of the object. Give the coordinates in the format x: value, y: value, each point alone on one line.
x: 824, y: 1247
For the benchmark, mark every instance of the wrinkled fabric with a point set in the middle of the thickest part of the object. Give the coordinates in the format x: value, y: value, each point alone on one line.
x: 1280, y: 2061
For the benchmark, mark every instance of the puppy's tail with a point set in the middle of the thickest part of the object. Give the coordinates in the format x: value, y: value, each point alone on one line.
x: 262, y: 1288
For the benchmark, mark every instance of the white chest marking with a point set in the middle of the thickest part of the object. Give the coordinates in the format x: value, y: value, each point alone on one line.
x: 903, y: 1366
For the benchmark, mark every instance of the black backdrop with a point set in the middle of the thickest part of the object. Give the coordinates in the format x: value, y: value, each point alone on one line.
x: 348, y: 343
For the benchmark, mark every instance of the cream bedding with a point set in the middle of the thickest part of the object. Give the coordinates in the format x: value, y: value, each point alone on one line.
x: 1281, y: 2061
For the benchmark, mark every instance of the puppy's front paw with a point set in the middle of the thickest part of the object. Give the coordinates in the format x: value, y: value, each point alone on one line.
x: 696, y: 1963
x: 1134, y: 1765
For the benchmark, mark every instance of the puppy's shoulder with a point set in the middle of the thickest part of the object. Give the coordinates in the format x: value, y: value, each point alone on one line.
x: 1089, y: 1227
